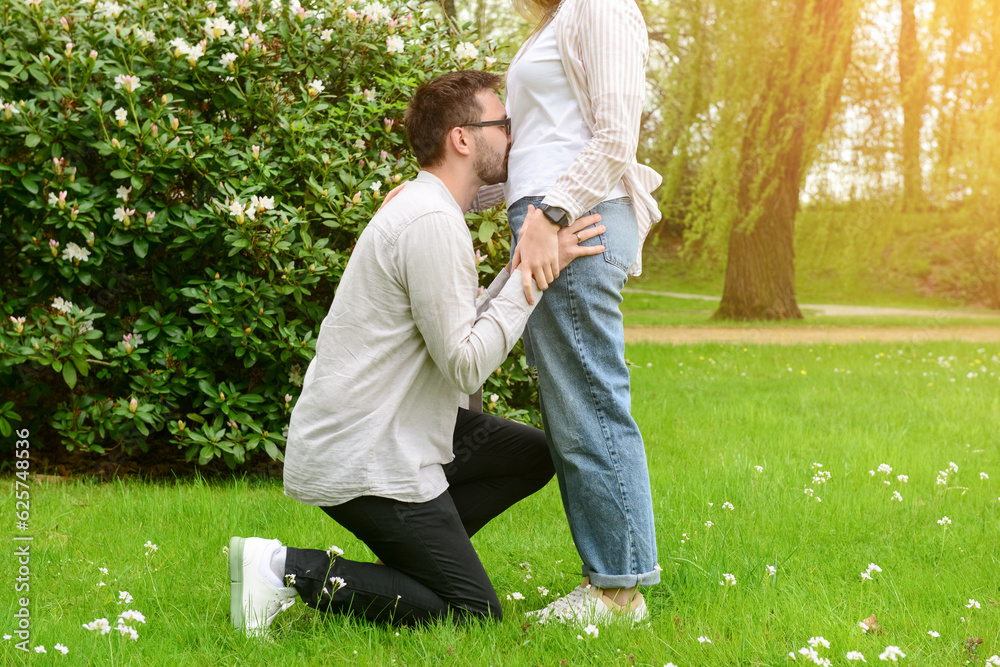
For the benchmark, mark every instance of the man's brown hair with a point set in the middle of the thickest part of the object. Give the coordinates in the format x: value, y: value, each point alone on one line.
x: 439, y: 105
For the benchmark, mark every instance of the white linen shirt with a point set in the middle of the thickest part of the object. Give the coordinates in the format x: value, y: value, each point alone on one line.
x: 404, y: 339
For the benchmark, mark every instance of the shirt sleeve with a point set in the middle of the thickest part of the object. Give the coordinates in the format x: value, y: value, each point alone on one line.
x: 487, y: 197
x: 438, y: 270
x: 612, y: 43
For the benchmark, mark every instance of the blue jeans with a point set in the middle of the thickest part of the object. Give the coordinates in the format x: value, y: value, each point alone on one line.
x: 576, y: 338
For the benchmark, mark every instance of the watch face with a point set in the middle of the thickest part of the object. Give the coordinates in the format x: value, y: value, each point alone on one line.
x: 555, y: 215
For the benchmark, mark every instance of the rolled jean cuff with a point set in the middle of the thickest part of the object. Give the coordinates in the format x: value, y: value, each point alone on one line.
x: 624, y: 580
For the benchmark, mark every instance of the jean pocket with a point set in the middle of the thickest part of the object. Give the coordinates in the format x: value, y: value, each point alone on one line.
x: 621, y: 236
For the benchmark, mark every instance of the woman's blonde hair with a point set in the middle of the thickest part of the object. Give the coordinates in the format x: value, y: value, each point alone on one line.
x: 538, y: 12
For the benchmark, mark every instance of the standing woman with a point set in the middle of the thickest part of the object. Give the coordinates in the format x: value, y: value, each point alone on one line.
x: 574, y: 95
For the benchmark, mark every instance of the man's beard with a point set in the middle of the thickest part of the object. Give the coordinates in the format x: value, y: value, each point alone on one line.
x: 491, y: 166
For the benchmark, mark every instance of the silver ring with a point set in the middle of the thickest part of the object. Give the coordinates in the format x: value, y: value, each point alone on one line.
x: 578, y: 239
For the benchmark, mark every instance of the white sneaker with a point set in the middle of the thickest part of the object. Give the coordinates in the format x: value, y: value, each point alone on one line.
x: 256, y: 595
x: 588, y: 604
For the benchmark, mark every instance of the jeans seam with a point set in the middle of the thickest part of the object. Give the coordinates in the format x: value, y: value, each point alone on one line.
x: 612, y: 452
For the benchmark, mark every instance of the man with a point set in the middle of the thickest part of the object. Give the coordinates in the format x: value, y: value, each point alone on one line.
x: 377, y: 439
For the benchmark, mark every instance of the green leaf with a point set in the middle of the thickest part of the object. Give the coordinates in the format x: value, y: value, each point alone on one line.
x: 141, y: 247
x: 120, y: 173
x: 69, y: 374
x: 273, y: 451
x: 486, y: 230
x: 32, y: 140
x: 30, y: 185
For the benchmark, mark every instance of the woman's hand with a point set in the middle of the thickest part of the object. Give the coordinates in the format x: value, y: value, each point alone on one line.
x: 569, y: 240
x: 572, y: 236
x: 392, y: 193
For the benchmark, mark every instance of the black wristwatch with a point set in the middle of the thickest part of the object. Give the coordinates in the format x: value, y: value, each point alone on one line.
x: 555, y: 215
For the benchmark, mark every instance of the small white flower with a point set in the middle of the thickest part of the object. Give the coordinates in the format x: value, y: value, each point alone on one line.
x: 121, y: 116
x: 903, y: 479
x: 759, y: 468
x: 515, y: 596
x: 129, y: 83
x: 864, y: 627
x: 865, y: 575
x: 466, y: 51
x: 885, y: 468
x: 394, y: 44
x: 62, y: 305
x: 40, y: 649
x: 952, y: 466
x: 124, y: 597
x: 854, y: 656
x: 61, y: 648
x: 934, y: 634
x: 709, y: 524
x: 891, y: 653
x: 993, y: 660
x: 315, y: 87
x: 818, y: 641
x: 227, y: 60
x: 334, y: 549
x: 131, y: 615
x: 123, y: 193
x: 771, y: 570
x: 98, y: 624
x: 543, y: 591
x: 872, y: 567
x: 591, y: 630
x: 973, y: 604
x: 150, y: 547
x: 896, y: 496
x: 727, y: 505
x: 983, y: 475
x: 704, y: 640
x: 326, y: 35
x: 338, y: 583
x: 944, y: 521
x: 73, y: 252
x: 729, y: 579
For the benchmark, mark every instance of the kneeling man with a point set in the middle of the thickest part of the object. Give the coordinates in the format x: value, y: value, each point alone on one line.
x: 377, y: 439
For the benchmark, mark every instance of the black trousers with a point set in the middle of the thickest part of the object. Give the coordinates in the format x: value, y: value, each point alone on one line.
x: 430, y: 568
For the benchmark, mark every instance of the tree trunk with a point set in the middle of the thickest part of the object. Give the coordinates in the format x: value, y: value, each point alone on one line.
x: 782, y: 129
x: 760, y: 269
x: 448, y: 6
x: 911, y: 95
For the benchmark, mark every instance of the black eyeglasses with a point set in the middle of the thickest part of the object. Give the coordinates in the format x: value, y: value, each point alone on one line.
x: 505, y: 122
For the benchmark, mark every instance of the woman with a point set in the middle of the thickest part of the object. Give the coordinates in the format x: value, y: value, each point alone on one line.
x: 574, y: 95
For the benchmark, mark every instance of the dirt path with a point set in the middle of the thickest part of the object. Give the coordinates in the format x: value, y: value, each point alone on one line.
x: 796, y: 335
x: 808, y: 334
x: 820, y: 310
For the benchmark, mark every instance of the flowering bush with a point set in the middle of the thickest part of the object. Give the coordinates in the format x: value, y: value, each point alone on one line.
x: 180, y: 189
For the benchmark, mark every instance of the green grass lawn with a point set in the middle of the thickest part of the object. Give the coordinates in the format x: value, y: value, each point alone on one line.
x: 710, y: 414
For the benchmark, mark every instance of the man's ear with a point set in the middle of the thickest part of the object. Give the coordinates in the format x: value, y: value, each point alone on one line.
x: 458, y: 141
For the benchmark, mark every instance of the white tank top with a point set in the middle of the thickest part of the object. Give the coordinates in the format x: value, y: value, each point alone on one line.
x: 547, y: 128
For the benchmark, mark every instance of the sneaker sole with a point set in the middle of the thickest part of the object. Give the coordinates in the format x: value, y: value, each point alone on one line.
x: 236, y: 545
